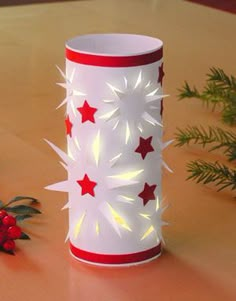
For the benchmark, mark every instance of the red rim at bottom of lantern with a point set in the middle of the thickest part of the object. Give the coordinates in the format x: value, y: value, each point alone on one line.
x: 116, y: 259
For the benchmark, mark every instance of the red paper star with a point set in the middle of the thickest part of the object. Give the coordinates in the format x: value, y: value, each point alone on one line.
x: 87, y: 185
x: 162, y: 107
x: 148, y: 193
x: 87, y: 112
x: 69, y: 125
x: 161, y: 74
x: 144, y: 147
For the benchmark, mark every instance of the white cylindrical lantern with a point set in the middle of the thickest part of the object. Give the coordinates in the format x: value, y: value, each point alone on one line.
x: 114, y: 130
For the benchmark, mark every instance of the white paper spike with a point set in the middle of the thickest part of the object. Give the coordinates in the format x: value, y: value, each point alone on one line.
x: 111, y: 114
x: 64, y: 165
x: 147, y: 117
x: 139, y: 79
x: 108, y: 100
x: 73, y: 108
x: 61, y: 72
x: 66, y: 206
x: 77, y: 93
x: 167, y: 167
x: 114, y: 160
x: 116, y: 91
x: 62, y: 103
x: 126, y: 82
x: 148, y: 84
x: 67, y: 236
x: 115, y: 125
x: 166, y: 144
x: 153, y: 92
x: 60, y: 186
x: 60, y: 153
x: 153, y: 98
x: 63, y: 85
x: 72, y: 75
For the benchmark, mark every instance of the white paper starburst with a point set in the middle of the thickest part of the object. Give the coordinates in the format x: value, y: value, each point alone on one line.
x: 132, y: 106
x: 70, y: 88
x: 111, y: 178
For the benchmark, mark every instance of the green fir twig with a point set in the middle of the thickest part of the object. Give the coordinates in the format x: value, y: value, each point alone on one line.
x: 221, y: 79
x: 219, y: 91
x: 205, y: 172
x: 213, y: 135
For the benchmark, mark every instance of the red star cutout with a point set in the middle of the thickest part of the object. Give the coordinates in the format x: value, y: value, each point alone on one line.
x: 69, y: 125
x: 162, y: 107
x: 87, y: 112
x: 148, y: 193
x: 87, y: 185
x: 161, y: 74
x: 144, y: 147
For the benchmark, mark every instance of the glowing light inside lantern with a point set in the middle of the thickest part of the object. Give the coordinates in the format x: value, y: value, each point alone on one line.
x: 97, y: 227
x: 127, y: 198
x: 78, y: 225
x: 96, y: 147
x: 148, y: 232
x: 147, y: 216
x: 157, y: 203
x: 128, y: 175
x: 70, y: 153
x: 120, y: 220
x: 127, y: 133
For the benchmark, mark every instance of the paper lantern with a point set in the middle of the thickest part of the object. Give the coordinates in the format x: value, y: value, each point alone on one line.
x: 114, y: 137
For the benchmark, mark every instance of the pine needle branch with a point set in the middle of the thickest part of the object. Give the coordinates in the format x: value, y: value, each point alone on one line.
x: 219, y: 90
x: 213, y: 135
x: 205, y: 172
x: 221, y: 79
x: 187, y: 92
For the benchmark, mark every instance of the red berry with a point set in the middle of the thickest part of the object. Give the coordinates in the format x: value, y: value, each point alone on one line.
x: 9, y: 220
x: 3, y: 213
x: 2, y: 237
x: 14, y: 232
x: 9, y: 245
x: 3, y: 228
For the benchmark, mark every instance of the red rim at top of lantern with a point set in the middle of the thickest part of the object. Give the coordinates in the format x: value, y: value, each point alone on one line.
x: 114, y: 50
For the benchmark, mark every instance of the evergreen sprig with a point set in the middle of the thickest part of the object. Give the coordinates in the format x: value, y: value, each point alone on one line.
x: 205, y: 172
x: 219, y: 90
x: 213, y: 135
x: 221, y: 79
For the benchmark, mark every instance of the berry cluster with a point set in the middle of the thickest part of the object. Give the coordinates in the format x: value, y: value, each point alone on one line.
x: 9, y: 231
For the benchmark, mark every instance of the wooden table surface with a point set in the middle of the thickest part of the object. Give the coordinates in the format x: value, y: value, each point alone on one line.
x: 199, y: 262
